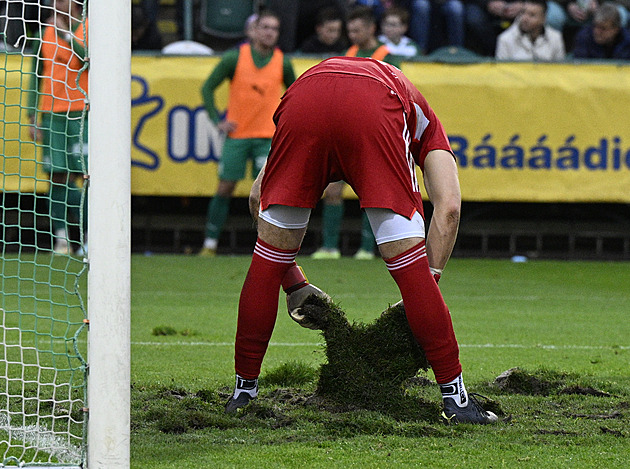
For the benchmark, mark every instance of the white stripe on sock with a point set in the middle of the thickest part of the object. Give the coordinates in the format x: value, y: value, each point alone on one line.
x: 274, y: 256
x: 407, y: 259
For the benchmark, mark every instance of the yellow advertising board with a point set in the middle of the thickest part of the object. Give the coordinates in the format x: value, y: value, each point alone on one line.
x: 175, y: 147
x: 534, y: 132
x: 19, y: 168
x: 521, y: 131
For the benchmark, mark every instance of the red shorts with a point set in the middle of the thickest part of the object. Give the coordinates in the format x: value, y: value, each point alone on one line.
x: 332, y: 127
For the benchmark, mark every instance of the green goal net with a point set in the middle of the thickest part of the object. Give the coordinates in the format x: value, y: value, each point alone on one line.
x: 43, y: 271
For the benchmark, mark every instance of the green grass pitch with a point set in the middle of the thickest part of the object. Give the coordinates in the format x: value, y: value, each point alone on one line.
x: 563, y: 324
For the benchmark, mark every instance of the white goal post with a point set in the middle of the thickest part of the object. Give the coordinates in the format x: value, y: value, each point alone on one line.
x: 65, y: 362
x: 109, y: 202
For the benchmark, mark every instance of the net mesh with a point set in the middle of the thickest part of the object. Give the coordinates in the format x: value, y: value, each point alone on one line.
x: 43, y: 84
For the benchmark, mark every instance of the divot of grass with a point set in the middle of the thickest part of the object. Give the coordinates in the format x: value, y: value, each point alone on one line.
x: 368, y: 364
x: 540, y: 383
x: 164, y: 330
x: 372, y: 383
x: 168, y: 330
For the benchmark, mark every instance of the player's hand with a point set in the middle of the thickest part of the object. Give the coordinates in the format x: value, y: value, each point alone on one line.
x: 35, y: 132
x: 227, y: 126
x: 296, y: 300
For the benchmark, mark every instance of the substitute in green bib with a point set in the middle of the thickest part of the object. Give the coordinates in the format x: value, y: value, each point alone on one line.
x: 259, y: 73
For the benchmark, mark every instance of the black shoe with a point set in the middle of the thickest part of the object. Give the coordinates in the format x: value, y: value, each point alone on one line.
x: 245, y: 390
x: 233, y: 404
x: 472, y: 413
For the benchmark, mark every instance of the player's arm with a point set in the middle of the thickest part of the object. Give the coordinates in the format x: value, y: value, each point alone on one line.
x: 442, y: 184
x: 254, y: 195
x: 33, y: 90
x: 223, y: 71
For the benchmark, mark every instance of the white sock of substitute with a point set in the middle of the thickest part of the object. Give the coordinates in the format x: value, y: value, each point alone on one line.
x: 456, y: 391
x: 210, y: 243
x: 250, y: 386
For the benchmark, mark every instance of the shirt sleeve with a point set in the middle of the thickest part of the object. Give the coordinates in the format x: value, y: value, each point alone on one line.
x: 224, y: 70
x: 427, y: 131
x: 33, y: 79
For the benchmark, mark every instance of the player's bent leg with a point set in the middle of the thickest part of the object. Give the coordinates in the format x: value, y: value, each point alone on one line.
x: 430, y: 323
x: 401, y: 243
x: 274, y: 254
x: 402, y: 246
x: 427, y: 314
x: 294, y: 283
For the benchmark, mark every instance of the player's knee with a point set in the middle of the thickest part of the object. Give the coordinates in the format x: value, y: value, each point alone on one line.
x: 281, y: 238
x: 226, y: 188
x: 397, y: 247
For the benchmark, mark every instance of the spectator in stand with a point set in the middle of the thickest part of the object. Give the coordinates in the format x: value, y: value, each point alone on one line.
x: 450, y: 15
x: 567, y: 13
x: 394, y: 25
x: 572, y: 15
x: 529, y: 39
x: 485, y: 20
x: 378, y: 6
x: 298, y: 19
x: 604, y: 38
x: 328, y: 37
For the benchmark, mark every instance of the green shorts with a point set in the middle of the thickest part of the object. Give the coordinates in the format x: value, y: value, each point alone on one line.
x: 236, y: 153
x: 65, y: 146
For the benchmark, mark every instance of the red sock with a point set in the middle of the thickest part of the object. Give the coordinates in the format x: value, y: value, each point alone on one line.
x: 428, y: 316
x: 294, y: 279
x: 258, y: 306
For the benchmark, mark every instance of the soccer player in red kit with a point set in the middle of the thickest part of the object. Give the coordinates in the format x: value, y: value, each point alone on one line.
x: 361, y: 121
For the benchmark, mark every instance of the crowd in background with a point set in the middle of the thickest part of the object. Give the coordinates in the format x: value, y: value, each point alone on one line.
x: 535, y: 30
